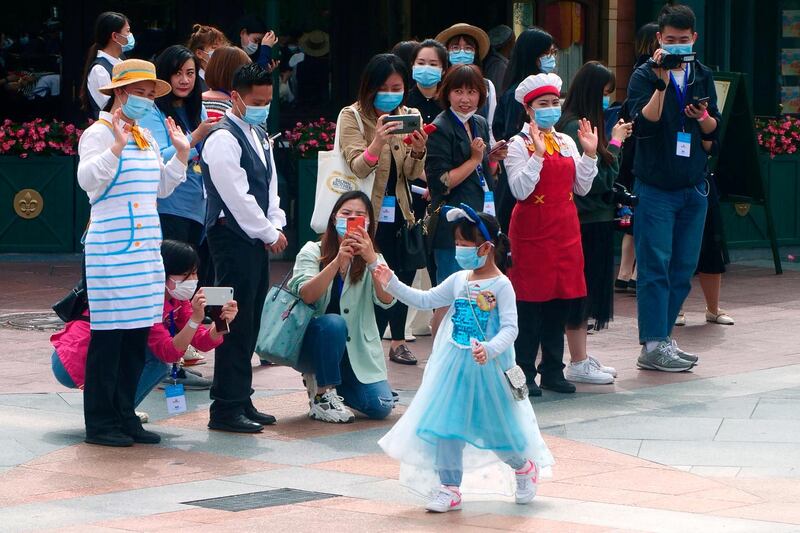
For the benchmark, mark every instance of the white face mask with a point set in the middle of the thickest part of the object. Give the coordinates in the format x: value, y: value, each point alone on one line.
x: 463, y: 117
x: 184, y: 290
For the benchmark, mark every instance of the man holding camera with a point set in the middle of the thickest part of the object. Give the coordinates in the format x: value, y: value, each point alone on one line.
x: 674, y: 105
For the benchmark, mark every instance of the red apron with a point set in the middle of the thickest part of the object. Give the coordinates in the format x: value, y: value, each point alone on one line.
x: 545, y: 235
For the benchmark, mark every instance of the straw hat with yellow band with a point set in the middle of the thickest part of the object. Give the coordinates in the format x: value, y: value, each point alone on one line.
x: 133, y: 71
x: 532, y: 88
x: 461, y: 28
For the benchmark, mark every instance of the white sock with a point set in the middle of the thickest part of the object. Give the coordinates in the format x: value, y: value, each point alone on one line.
x: 650, y: 345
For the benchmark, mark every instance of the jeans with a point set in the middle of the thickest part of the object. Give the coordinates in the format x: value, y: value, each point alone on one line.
x: 152, y: 374
x: 324, y: 353
x: 449, y: 461
x: 667, y: 237
x: 446, y: 264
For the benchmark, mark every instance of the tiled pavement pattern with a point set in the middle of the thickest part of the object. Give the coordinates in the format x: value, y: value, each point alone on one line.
x: 717, y: 449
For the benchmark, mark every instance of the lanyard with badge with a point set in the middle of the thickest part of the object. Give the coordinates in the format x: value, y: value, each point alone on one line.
x: 683, y: 147
x: 488, y: 195
x: 175, y: 395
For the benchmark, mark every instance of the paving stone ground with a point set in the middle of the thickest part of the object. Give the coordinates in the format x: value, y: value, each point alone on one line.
x: 717, y: 449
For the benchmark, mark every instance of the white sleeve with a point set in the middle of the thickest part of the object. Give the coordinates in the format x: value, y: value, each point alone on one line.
x: 275, y: 214
x: 507, y: 334
x: 492, y: 100
x: 523, y: 170
x: 222, y: 153
x: 440, y: 296
x: 98, y: 77
x: 97, y: 165
x: 585, y: 167
x: 173, y: 173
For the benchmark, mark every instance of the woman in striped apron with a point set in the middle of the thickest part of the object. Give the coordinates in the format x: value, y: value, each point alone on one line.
x: 122, y: 173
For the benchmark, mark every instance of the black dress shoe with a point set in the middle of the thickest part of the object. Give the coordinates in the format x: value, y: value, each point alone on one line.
x: 236, y: 424
x: 533, y: 389
x: 142, y: 436
x: 116, y: 439
x: 558, y: 384
x: 620, y: 285
x: 261, y: 418
x: 632, y: 286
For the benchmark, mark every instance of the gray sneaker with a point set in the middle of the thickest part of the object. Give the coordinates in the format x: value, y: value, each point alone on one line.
x: 686, y: 356
x: 191, y: 380
x: 664, y: 358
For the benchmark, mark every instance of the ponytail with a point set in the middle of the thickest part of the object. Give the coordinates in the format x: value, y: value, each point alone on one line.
x: 502, y: 251
x: 106, y: 24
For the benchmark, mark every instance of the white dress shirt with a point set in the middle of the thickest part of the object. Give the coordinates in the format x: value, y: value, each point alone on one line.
x: 99, y: 77
x: 523, y: 168
x: 222, y: 153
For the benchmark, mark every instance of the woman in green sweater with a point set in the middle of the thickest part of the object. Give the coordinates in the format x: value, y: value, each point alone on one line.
x: 588, y: 97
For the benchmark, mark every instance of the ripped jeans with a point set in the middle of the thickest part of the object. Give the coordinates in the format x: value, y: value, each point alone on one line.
x: 324, y: 354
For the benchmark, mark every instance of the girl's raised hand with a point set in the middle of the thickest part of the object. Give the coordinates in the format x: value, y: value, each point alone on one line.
x: 588, y: 137
x: 383, y: 274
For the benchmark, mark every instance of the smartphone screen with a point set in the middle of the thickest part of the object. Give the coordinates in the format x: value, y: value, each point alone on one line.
x: 353, y: 223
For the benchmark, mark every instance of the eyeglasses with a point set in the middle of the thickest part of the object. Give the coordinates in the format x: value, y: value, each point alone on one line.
x: 456, y: 48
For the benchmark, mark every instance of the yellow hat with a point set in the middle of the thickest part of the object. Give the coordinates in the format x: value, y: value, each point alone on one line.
x: 461, y: 28
x: 133, y: 71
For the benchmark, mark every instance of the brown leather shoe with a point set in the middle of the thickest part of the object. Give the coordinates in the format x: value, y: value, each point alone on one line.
x: 402, y: 355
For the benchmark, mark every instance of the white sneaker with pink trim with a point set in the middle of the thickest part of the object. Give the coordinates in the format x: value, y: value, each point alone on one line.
x: 527, y: 483
x: 445, y: 500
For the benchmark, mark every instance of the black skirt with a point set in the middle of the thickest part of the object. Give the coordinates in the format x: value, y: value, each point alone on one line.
x: 598, y: 269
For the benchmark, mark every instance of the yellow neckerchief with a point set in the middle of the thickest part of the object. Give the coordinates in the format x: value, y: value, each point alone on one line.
x: 550, y: 144
x: 136, y: 131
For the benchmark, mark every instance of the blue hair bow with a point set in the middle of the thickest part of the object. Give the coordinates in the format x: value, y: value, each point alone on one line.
x: 464, y: 211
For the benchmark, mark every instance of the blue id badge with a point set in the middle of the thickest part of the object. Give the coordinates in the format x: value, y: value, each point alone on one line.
x: 684, y: 146
x: 176, y: 399
x: 488, y: 203
x: 388, y: 209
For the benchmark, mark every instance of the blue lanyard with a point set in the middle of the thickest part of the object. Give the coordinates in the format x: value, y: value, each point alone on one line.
x: 174, y: 372
x: 479, y: 168
x: 680, y: 94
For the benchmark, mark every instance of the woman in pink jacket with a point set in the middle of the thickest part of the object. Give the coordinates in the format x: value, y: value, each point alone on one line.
x: 181, y: 326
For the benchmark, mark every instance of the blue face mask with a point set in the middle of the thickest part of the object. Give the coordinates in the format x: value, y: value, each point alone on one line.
x: 386, y: 102
x: 546, y: 117
x: 678, y: 49
x: 547, y: 64
x: 137, y: 107
x: 255, y: 114
x: 127, y: 47
x: 341, y: 226
x: 606, y: 102
x: 467, y: 257
x: 427, y: 75
x: 461, y: 57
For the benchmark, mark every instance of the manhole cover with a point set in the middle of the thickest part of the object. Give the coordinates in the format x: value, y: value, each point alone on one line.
x: 259, y: 500
x: 31, y: 321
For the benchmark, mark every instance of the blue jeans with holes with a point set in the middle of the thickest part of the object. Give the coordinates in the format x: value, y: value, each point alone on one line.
x: 324, y: 354
x: 667, y: 237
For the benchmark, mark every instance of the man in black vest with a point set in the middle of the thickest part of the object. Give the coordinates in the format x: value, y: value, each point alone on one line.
x: 243, y: 224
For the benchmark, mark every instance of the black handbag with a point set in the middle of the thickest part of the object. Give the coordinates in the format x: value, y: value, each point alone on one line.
x: 74, y: 304
x: 412, y: 252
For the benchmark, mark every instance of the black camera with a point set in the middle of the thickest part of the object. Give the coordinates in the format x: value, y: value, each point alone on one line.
x: 620, y: 196
x: 672, y: 61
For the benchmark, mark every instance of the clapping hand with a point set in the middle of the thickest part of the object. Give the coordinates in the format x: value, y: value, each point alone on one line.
x: 588, y: 137
x: 537, y: 137
x: 121, y: 132
x: 178, y: 139
x: 383, y: 274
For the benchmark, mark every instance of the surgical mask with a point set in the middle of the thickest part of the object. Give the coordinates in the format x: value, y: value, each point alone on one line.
x: 341, y: 226
x: 463, y: 117
x: 461, y: 57
x: 546, y: 117
x: 128, y: 46
x: 184, y: 290
x: 386, y: 101
x: 606, y: 102
x: 547, y: 64
x: 137, y: 107
x: 467, y: 257
x: 255, y: 114
x: 427, y: 75
x: 678, y: 49
x: 251, y: 48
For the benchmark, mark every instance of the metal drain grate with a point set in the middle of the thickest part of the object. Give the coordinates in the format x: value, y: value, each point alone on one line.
x: 31, y: 321
x: 259, y: 500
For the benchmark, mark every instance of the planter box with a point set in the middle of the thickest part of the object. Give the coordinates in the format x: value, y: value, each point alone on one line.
x: 782, y: 183
x: 306, y: 190
x: 37, y: 199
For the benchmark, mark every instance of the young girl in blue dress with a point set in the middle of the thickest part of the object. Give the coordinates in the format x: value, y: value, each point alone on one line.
x: 464, y: 428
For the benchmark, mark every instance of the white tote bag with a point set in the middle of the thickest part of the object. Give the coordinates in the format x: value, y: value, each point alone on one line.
x: 334, y: 178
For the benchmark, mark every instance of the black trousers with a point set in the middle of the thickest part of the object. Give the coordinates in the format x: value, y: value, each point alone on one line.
x: 541, y: 324
x: 183, y: 229
x: 113, y: 367
x: 395, y: 316
x: 245, y: 267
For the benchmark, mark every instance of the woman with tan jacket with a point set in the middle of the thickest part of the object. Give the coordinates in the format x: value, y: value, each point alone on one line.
x: 369, y: 145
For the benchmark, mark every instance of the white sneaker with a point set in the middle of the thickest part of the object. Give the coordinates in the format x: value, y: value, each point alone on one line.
x: 330, y: 408
x: 602, y: 368
x: 143, y: 417
x: 585, y: 372
x: 445, y: 500
x: 527, y: 483
x: 311, y: 387
x: 681, y: 320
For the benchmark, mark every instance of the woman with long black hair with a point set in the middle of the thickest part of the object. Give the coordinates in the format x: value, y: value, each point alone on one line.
x: 112, y: 38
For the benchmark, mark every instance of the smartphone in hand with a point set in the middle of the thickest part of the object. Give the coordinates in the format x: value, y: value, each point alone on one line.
x: 216, y: 297
x: 353, y: 223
